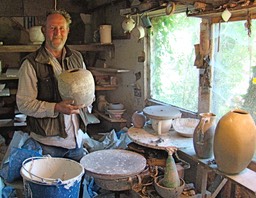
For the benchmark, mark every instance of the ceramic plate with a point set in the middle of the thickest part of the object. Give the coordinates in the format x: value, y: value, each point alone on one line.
x: 185, y: 126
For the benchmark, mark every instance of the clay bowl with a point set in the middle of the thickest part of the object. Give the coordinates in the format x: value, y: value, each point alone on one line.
x: 115, y: 114
x: 115, y: 106
x: 168, y: 192
x: 185, y: 126
x: 20, y: 117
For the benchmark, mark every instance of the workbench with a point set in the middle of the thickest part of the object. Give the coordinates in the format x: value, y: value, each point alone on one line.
x: 147, y: 137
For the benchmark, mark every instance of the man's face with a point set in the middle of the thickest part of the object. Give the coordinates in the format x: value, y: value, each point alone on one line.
x: 56, y: 31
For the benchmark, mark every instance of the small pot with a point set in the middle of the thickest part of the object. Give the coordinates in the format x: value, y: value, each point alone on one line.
x: 36, y: 35
x: 161, y: 126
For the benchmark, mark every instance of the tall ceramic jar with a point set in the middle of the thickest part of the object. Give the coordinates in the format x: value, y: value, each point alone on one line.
x: 204, y: 134
x: 234, y: 141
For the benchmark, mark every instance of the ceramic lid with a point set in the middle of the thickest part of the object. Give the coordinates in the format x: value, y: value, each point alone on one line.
x: 161, y: 112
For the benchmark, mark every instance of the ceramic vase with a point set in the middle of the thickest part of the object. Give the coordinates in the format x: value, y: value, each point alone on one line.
x: 35, y: 35
x: 77, y: 85
x: 138, y: 119
x: 204, y: 135
x: 234, y: 141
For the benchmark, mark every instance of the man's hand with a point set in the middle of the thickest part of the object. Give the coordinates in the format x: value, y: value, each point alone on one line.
x: 67, y: 107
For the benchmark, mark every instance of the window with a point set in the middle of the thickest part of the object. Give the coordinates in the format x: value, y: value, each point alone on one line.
x: 234, y: 66
x: 174, y: 78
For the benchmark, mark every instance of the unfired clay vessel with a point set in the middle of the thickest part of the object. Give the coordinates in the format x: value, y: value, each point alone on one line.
x: 138, y: 119
x: 234, y: 141
x: 77, y: 85
x: 35, y: 35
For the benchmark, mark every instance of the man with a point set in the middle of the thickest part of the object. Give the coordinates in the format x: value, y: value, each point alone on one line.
x: 53, y: 124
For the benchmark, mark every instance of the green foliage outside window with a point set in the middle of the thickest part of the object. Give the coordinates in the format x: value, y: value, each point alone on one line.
x: 174, y: 78
x: 233, y: 63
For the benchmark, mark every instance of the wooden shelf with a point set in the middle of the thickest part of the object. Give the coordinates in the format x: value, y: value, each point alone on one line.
x: 85, y: 47
x: 105, y: 88
x: 108, y: 70
x: 4, y: 77
x: 101, y: 73
x: 11, y: 123
x: 104, y: 116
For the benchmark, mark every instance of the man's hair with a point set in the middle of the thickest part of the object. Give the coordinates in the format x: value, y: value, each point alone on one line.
x: 64, y: 13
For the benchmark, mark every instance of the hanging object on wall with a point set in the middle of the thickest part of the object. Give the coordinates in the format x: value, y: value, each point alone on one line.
x: 138, y: 32
x: 146, y: 21
x: 128, y: 24
x: 55, y: 4
x: 199, y: 58
x: 248, y: 24
x: 170, y: 8
x: 226, y: 14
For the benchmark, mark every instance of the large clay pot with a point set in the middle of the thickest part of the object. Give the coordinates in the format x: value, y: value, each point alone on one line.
x: 204, y: 134
x: 234, y: 141
x: 77, y: 85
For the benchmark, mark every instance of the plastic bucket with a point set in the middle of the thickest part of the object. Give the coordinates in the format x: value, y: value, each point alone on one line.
x: 51, y: 177
x: 105, y: 34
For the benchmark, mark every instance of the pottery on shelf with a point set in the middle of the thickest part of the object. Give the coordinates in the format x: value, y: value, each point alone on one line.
x: 204, y: 135
x: 102, y: 103
x: 36, y: 35
x: 138, y: 119
x: 77, y: 85
x: 234, y: 141
x: 115, y: 106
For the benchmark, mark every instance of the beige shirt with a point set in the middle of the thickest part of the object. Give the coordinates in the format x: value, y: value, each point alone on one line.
x: 29, y: 105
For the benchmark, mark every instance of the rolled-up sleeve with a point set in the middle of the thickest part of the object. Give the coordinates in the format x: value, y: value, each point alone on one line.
x: 26, y: 97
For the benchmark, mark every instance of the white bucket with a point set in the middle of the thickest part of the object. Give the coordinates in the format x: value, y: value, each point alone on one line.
x: 105, y: 34
x: 51, y: 177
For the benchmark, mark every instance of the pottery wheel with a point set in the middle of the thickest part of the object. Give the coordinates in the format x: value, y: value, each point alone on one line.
x: 149, y: 138
x: 160, y: 112
x: 113, y: 163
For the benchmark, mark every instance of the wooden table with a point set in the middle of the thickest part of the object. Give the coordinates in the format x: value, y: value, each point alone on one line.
x: 147, y: 137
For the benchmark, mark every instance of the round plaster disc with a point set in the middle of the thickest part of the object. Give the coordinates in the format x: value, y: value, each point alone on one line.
x: 113, y: 163
x: 160, y: 112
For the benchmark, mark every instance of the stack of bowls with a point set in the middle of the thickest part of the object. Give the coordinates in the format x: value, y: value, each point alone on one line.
x: 115, y: 110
